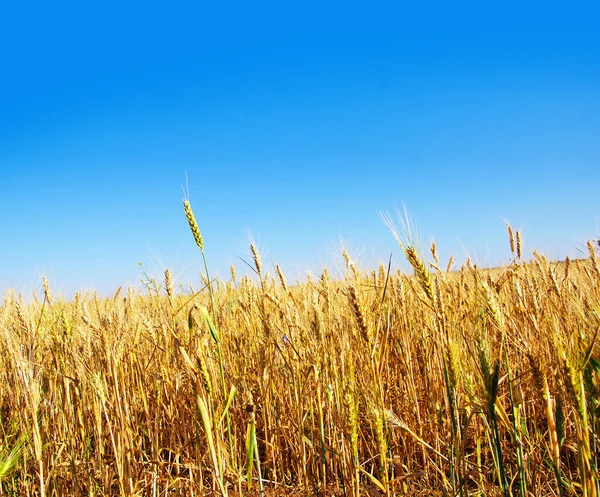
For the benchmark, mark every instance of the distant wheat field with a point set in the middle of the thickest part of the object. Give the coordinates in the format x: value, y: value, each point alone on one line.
x: 446, y: 383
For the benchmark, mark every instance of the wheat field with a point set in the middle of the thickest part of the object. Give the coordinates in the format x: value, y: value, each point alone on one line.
x: 442, y: 382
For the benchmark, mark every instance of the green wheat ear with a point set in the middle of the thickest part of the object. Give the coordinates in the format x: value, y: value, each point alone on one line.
x: 11, y: 457
x: 189, y: 214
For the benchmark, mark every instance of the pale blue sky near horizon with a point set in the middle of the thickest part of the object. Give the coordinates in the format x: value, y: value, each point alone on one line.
x: 297, y: 123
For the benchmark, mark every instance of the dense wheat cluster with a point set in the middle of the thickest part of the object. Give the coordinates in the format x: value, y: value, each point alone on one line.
x: 464, y: 382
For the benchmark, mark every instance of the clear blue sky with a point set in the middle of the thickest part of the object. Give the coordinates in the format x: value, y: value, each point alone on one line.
x: 296, y: 122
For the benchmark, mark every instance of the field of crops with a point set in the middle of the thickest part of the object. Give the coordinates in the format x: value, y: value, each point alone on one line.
x: 462, y: 382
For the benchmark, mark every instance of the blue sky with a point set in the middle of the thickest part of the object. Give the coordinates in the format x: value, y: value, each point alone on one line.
x: 297, y: 123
